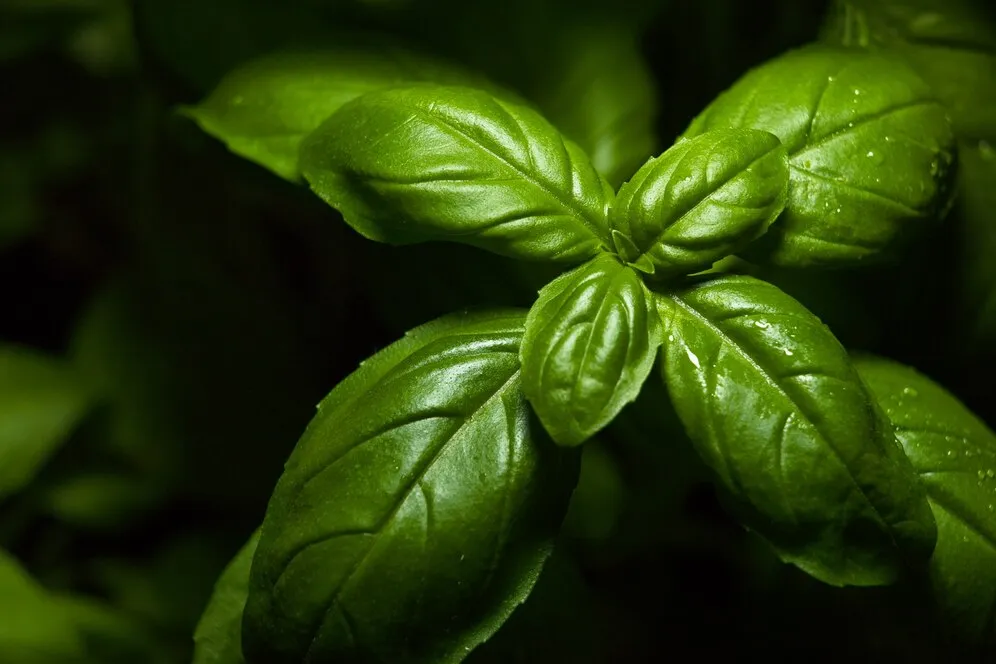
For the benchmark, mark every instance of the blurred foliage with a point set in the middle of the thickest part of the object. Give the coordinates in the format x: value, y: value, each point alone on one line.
x: 172, y: 314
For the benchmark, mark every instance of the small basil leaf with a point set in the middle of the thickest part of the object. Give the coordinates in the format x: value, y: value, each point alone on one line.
x: 447, y: 163
x: 416, y: 511
x: 955, y: 455
x: 264, y: 109
x: 702, y: 200
x: 42, y: 399
x: 774, y: 406
x: 870, y: 151
x: 597, y: 89
x: 590, y: 343
x: 218, y: 637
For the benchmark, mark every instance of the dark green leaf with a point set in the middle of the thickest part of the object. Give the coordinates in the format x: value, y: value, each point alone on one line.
x: 590, y: 342
x: 955, y: 455
x: 35, y: 628
x: 774, y: 406
x: 416, y: 511
x: 42, y: 399
x: 264, y: 109
x: 705, y: 198
x: 977, y: 209
x: 870, y: 151
x: 428, y: 162
x: 218, y: 638
x: 597, y: 89
x: 102, y: 500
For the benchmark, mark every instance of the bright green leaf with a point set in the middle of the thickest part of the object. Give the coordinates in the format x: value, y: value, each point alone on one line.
x: 218, y: 638
x: 870, y: 151
x: 590, y: 343
x: 42, y: 400
x: 955, y: 455
x: 702, y: 200
x: 416, y: 511
x: 264, y: 109
x: 774, y: 406
x: 427, y: 162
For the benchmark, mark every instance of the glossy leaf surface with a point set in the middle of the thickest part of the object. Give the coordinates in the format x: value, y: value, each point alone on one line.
x: 590, y: 343
x: 264, y: 109
x: 218, y: 637
x: 416, y: 511
x: 597, y: 89
x: 955, y: 454
x: 702, y: 200
x: 774, y: 406
x: 42, y: 399
x: 870, y: 151
x: 450, y: 163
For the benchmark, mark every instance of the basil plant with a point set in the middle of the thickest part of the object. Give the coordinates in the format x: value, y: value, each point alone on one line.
x: 419, y: 507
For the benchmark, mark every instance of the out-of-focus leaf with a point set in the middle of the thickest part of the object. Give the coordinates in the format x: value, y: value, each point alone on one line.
x: 41, y: 400
x: 102, y: 500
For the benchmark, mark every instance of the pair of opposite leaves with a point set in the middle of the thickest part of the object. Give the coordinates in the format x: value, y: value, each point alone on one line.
x: 418, y: 508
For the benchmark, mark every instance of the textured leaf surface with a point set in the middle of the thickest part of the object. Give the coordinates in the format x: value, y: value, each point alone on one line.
x: 416, y: 511
x: 264, y: 109
x: 955, y: 455
x: 449, y: 163
x: 41, y: 400
x: 597, y: 89
x: 774, y: 406
x: 590, y: 343
x: 870, y: 150
x: 702, y: 200
x: 218, y: 637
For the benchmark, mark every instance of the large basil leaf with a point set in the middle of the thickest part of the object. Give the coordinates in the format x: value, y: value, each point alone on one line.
x: 774, y: 406
x: 590, y: 342
x: 700, y: 201
x: 870, y: 150
x: 955, y: 455
x: 42, y: 399
x: 596, y: 88
x: 416, y: 511
x: 449, y: 163
x: 264, y: 109
x: 218, y: 637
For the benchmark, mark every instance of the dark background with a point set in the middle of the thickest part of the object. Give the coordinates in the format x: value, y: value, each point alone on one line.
x: 215, y: 304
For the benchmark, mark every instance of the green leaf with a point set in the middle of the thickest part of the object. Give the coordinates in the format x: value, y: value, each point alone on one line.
x: 416, y: 511
x: 42, y: 400
x: 36, y: 628
x: 218, y: 638
x: 590, y: 343
x: 597, y: 89
x: 102, y: 499
x: 977, y: 210
x: 448, y: 163
x: 955, y: 455
x: 702, y: 200
x: 774, y: 406
x: 950, y: 43
x: 870, y: 151
x: 264, y: 109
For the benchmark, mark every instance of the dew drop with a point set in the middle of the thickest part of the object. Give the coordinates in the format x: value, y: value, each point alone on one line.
x: 981, y: 474
x: 831, y: 78
x: 789, y: 353
x: 850, y: 124
x: 991, y: 473
x: 950, y: 452
x: 856, y: 91
x: 670, y: 337
x: 693, y: 358
x: 871, y: 153
x: 763, y: 324
x: 910, y: 392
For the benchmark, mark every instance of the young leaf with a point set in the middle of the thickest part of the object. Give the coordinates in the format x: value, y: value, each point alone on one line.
x: 955, y: 455
x: 590, y: 342
x: 870, y: 150
x: 42, y: 400
x: 264, y: 109
x: 597, y: 89
x: 416, y: 511
x: 424, y: 163
x: 702, y: 200
x: 774, y: 406
x: 218, y: 638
